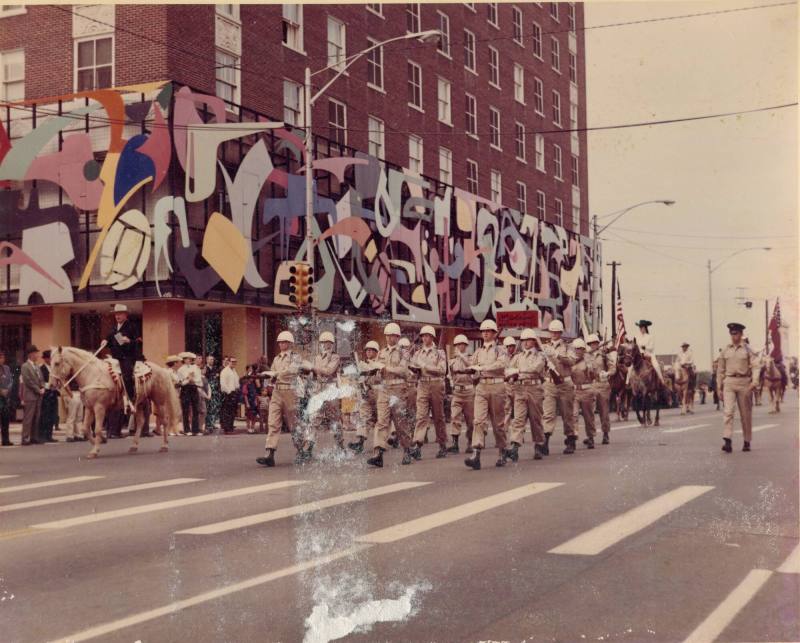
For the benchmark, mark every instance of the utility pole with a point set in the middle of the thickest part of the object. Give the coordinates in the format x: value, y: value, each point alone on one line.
x: 766, y: 326
x: 710, y: 321
x: 614, y: 265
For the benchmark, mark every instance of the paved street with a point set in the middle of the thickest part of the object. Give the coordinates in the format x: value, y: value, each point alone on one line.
x: 656, y: 537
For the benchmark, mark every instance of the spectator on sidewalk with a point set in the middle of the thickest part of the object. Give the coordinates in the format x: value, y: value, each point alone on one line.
x: 215, y: 398
x: 229, y: 386
x: 6, y: 402
x: 48, y: 418
x: 249, y: 394
x: 33, y: 389
x: 204, y: 395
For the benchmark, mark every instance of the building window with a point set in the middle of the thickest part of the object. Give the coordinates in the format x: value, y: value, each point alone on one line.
x: 555, y: 54
x: 227, y: 75
x: 573, y: 116
x: 415, y: 152
x: 376, y: 8
x: 492, y: 14
x: 7, y: 10
x: 414, y: 85
x: 575, y: 171
x: 573, y: 68
x: 558, y: 170
x: 469, y: 50
x: 445, y: 166
x: 470, y: 6
x: 519, y: 141
x: 444, y: 37
x: 519, y: 83
x: 496, y: 187
x: 556, y: 108
x: 443, y: 101
x: 471, y: 115
x: 228, y: 10
x: 559, y: 213
x: 516, y: 25
x: 554, y: 10
x: 494, y: 67
x: 337, y: 121
x: 472, y: 177
x: 576, y: 219
x: 494, y: 127
x: 539, y: 143
x: 376, y: 137
x: 522, y: 197
x: 541, y: 202
x: 413, y: 17
x: 336, y: 43
x: 537, y: 41
x: 293, y: 26
x: 538, y: 96
x: 12, y: 74
x: 293, y: 103
x: 375, y: 65
x: 95, y: 64
x: 571, y: 16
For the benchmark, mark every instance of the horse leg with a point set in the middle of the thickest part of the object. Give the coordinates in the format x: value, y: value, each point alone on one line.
x: 138, y: 419
x: 167, y: 424
x: 647, y: 401
x: 658, y: 410
x: 99, y: 418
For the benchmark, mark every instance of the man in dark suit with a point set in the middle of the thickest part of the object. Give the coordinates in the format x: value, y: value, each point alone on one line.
x: 6, y: 401
x: 48, y: 416
x: 125, y: 345
x: 33, y: 389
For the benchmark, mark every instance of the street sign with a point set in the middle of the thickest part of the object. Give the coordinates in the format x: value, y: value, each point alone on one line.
x: 518, y: 318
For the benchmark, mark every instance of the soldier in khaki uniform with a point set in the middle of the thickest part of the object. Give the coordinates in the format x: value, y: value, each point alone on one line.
x: 369, y: 380
x: 392, y: 398
x: 737, y: 379
x: 411, y: 391
x: 510, y: 344
x: 285, y: 370
x: 526, y: 371
x: 430, y: 365
x: 583, y: 377
x: 325, y: 370
x: 602, y: 389
x: 489, y: 363
x: 561, y: 393
x: 462, y: 404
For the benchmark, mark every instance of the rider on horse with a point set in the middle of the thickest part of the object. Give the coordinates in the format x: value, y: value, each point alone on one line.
x: 644, y: 340
x: 686, y: 359
x: 125, y: 345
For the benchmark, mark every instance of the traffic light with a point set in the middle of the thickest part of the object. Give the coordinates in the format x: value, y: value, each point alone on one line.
x: 748, y: 304
x: 301, y: 284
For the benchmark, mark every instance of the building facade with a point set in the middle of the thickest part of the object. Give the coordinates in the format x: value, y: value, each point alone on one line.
x: 153, y: 155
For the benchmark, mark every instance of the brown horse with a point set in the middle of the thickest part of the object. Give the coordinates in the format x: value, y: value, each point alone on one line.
x: 618, y: 378
x: 645, y: 387
x: 773, y: 379
x: 685, y: 382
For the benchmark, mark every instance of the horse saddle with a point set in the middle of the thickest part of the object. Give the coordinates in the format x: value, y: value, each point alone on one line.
x: 141, y: 370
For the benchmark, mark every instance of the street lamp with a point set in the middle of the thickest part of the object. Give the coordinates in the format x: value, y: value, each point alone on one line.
x: 711, y: 270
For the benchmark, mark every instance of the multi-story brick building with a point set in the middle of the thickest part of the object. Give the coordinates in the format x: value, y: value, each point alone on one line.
x: 486, y: 122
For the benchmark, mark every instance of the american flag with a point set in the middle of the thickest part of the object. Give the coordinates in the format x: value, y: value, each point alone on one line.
x: 775, y: 332
x: 620, y: 317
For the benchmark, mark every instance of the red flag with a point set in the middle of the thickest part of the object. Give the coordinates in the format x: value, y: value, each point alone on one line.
x: 620, y: 317
x: 775, y: 332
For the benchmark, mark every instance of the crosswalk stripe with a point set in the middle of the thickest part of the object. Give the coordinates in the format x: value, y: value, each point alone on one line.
x: 160, y: 506
x: 97, y: 494
x: 625, y: 426
x: 686, y: 428
x: 763, y: 426
x: 440, y: 518
x: 609, y: 533
x: 716, y: 622
x: 48, y: 483
x: 278, y: 514
x: 9, y: 476
x: 792, y: 564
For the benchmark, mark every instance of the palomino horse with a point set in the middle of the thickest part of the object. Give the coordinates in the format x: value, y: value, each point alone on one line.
x: 618, y: 378
x: 100, y: 392
x: 645, y: 387
x: 685, y: 382
x: 772, y: 377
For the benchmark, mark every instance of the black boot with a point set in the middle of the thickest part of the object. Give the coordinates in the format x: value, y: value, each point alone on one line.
x: 358, y: 445
x: 605, y: 438
x: 442, y: 452
x: 392, y: 442
x: 416, y: 452
x: 513, y: 453
x: 589, y: 442
x: 377, y: 459
x: 407, y: 459
x: 300, y: 456
x: 727, y: 448
x: 269, y: 460
x: 546, y: 445
x: 501, y: 461
x: 475, y: 461
x: 570, y: 442
x: 746, y: 446
x: 453, y: 448
x: 537, y: 451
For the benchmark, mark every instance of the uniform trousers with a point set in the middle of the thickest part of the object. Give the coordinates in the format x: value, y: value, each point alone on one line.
x: 329, y: 414
x: 528, y: 400
x: 392, y: 407
x: 737, y: 392
x: 367, y: 413
x: 489, y: 406
x: 602, y: 394
x: 282, y: 408
x: 462, y: 410
x: 585, y: 399
x: 430, y: 398
x: 559, y: 396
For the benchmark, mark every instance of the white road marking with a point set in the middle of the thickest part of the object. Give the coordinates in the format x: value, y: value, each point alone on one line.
x: 9, y: 476
x: 600, y: 538
x: 625, y: 426
x: 172, y: 608
x: 308, y: 507
x: 792, y: 564
x: 160, y: 506
x: 761, y: 427
x: 440, y: 518
x: 48, y: 483
x: 726, y: 611
x: 96, y: 494
x: 686, y: 428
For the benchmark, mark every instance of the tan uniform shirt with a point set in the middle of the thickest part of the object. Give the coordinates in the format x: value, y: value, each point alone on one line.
x: 326, y: 366
x: 286, y: 367
x: 736, y: 361
x: 583, y: 372
x: 371, y: 379
x: 492, y: 358
x: 558, y: 352
x: 531, y: 363
x: 432, y: 361
x: 458, y: 373
x: 599, y: 362
x: 395, y: 363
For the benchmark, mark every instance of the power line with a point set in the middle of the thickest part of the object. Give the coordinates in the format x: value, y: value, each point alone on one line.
x: 657, y: 252
x: 703, y: 248
x: 704, y: 236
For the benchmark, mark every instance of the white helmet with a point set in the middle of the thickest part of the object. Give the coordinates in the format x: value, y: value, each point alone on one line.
x: 509, y: 341
x: 460, y: 339
x: 428, y: 330
x: 528, y: 333
x: 488, y: 324
x: 404, y: 342
x: 592, y: 338
x: 391, y: 329
x: 286, y: 336
x: 373, y: 345
x: 578, y: 343
x: 326, y: 336
x: 555, y: 326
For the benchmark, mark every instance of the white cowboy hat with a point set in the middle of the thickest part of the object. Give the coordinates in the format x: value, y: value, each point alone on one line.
x: 187, y: 355
x: 120, y: 308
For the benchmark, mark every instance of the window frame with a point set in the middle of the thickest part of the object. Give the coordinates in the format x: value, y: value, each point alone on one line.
x: 380, y: 129
x: 558, y: 162
x: 540, y: 156
x: 517, y: 30
x: 538, y: 96
x: 440, y: 82
x: 571, y: 16
x: 522, y: 197
x: 556, y: 102
x: 519, y: 142
x: 18, y: 11
x: 470, y: 50
x: 372, y: 63
x: 300, y: 103
x: 520, y: 85
x: 414, y: 15
x: 444, y: 40
x: 473, y: 133
x: 333, y: 127
x: 378, y: 12
x: 470, y: 179
x: 555, y: 54
x: 5, y: 81
x: 449, y: 158
x: 558, y: 211
x: 340, y: 61
x: 573, y: 67
x: 495, y: 130
x: 299, y: 27
x: 538, y: 38
x: 575, y: 171
x: 541, y: 205
x: 94, y: 38
x: 553, y: 11
x: 498, y: 175
x: 421, y: 149
x: 493, y: 14
x: 412, y: 85
x: 494, y: 67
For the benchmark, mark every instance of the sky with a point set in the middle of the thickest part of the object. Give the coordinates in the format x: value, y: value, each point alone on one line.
x: 734, y: 177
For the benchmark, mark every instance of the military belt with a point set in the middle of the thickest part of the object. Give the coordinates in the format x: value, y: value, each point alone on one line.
x: 462, y: 387
x: 491, y: 380
x: 737, y: 375
x: 582, y: 387
x: 531, y: 380
x: 431, y: 379
x: 284, y: 387
x: 395, y: 382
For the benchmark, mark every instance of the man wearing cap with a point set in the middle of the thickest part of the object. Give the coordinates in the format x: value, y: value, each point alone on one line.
x: 191, y: 379
x: 558, y: 389
x: 527, y: 370
x: 737, y: 380
x: 510, y: 344
x: 462, y: 404
x: 125, y: 345
x: 644, y: 340
x: 369, y: 379
x: 391, y: 398
x: 583, y: 377
x: 602, y: 365
x: 32, y: 391
x: 229, y: 387
x: 430, y: 365
x: 325, y: 371
x: 489, y: 363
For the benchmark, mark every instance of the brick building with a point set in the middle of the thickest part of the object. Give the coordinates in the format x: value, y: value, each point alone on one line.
x: 478, y: 122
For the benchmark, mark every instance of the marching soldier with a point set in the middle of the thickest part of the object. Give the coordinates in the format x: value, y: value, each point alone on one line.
x: 558, y: 389
x: 489, y: 362
x: 510, y: 345
x: 369, y: 381
x: 530, y: 367
x: 430, y: 365
x: 325, y: 370
x: 583, y: 376
x: 391, y: 398
x: 737, y: 379
x: 191, y: 379
x: 462, y: 404
x: 411, y: 391
x: 602, y: 389
x: 284, y: 370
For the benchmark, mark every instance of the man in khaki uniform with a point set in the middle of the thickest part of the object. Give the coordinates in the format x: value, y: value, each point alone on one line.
x: 510, y: 344
x: 462, y: 404
x: 430, y: 364
x: 558, y: 394
x: 411, y: 391
x: 369, y: 380
x: 737, y: 379
x: 583, y: 377
x: 325, y: 370
x: 526, y: 371
x: 602, y: 389
x: 283, y: 404
x: 392, y: 398
x: 489, y: 363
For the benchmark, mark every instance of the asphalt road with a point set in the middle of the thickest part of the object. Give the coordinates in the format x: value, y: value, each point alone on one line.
x: 658, y: 536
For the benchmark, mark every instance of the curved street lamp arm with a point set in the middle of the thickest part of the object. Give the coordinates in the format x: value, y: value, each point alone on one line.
x: 628, y: 209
